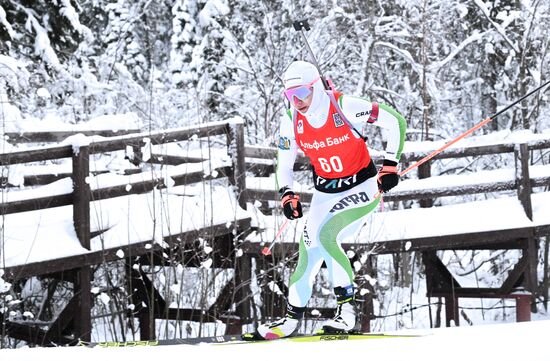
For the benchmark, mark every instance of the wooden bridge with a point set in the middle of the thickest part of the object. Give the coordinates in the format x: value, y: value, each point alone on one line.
x: 85, y: 218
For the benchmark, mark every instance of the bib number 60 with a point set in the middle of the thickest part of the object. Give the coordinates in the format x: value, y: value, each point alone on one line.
x: 333, y: 164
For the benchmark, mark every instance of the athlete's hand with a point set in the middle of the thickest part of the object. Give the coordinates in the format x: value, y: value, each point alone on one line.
x: 292, y: 208
x: 387, y: 176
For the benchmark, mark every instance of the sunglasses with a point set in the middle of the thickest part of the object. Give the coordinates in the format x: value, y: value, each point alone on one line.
x: 300, y: 92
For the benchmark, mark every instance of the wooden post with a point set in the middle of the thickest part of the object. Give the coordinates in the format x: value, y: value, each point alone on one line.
x: 523, y: 181
x: 236, y: 150
x: 367, y: 304
x: 524, y: 190
x: 523, y: 308
x: 145, y: 332
x: 451, y: 310
x: 83, y: 316
x: 440, y: 282
x: 531, y: 278
x: 81, y: 196
x: 243, y: 271
x: 546, y: 272
x: 425, y: 171
x: 138, y: 292
x: 81, y: 219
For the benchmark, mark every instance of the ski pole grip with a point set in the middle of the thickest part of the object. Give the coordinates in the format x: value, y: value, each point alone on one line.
x: 301, y: 24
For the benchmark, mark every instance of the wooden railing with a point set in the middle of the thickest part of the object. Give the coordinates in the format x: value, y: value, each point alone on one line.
x: 81, y: 197
x: 58, y: 136
x: 80, y: 157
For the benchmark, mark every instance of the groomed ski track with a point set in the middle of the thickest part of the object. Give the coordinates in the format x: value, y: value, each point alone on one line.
x: 511, y: 341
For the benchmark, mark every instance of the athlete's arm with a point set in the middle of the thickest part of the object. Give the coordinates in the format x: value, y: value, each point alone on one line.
x: 358, y: 111
x: 287, y: 149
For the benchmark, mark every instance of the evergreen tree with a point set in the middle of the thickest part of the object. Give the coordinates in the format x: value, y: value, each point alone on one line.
x: 214, y: 75
x: 42, y: 36
x: 185, y: 36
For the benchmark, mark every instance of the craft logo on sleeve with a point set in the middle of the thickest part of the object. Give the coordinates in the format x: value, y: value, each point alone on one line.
x: 363, y: 113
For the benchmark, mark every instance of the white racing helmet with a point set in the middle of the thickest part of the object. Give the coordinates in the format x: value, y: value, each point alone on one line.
x: 300, y: 73
x: 303, y: 73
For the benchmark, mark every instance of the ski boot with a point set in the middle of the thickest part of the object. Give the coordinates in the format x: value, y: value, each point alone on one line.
x: 345, y: 317
x: 285, y: 327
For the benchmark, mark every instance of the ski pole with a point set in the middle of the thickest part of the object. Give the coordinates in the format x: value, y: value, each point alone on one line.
x: 266, y: 251
x: 466, y: 133
x: 299, y: 26
x: 471, y: 130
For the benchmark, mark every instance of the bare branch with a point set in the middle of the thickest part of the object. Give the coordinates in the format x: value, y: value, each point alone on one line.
x: 435, y: 67
x: 499, y: 28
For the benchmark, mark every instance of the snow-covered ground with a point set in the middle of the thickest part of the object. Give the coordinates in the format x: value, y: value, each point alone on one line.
x: 502, y: 342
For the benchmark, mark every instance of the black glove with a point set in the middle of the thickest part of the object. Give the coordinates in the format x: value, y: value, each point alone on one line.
x: 387, y: 176
x: 292, y: 208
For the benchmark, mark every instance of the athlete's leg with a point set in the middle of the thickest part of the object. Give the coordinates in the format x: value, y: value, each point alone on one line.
x: 303, y: 277
x: 342, y: 221
x: 310, y: 258
x: 300, y: 286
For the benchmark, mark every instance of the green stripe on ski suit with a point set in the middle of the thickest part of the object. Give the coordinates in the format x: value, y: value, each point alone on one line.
x: 402, y: 127
x: 329, y: 233
x: 302, y: 263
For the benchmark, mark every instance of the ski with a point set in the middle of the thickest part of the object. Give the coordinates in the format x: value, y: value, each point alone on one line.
x: 172, y: 342
x: 336, y: 337
x: 346, y: 337
x: 237, y: 339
